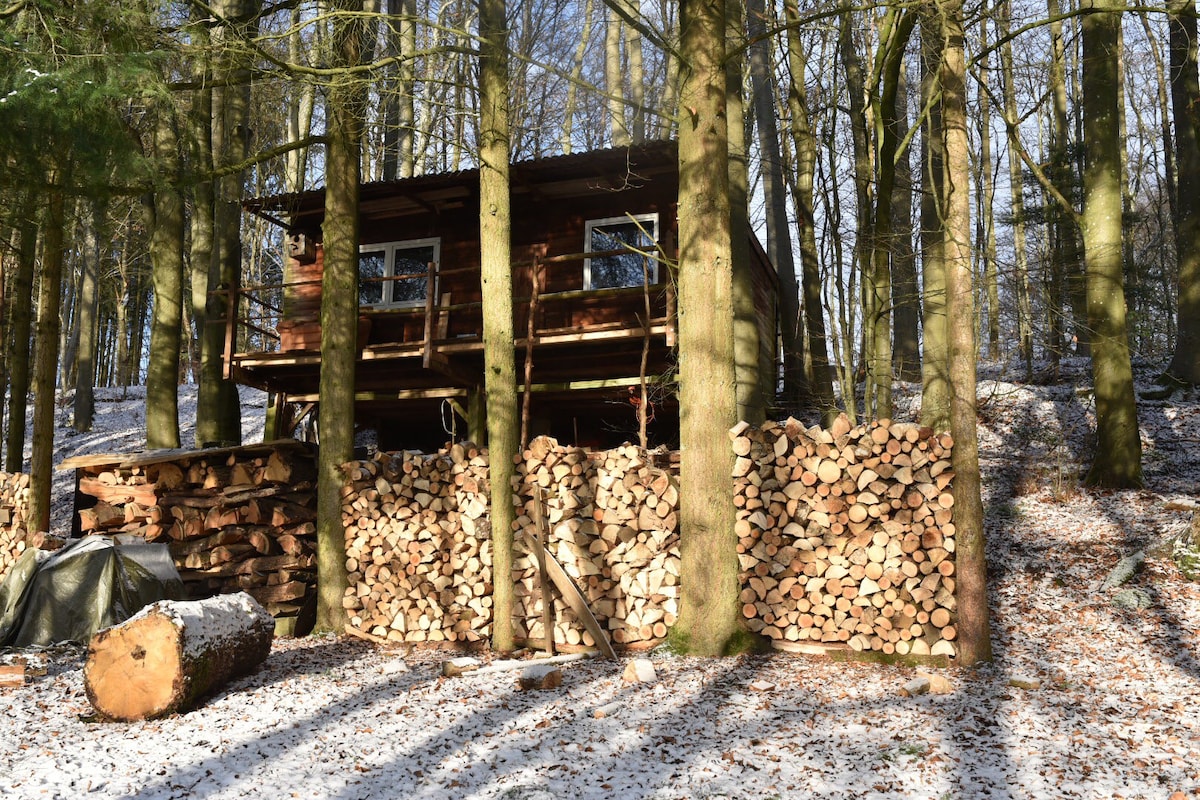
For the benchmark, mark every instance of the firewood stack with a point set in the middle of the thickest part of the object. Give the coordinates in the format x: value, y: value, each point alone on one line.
x: 846, y: 535
x: 419, y: 552
x: 612, y: 520
x: 14, y: 503
x: 418, y: 546
x: 239, y: 519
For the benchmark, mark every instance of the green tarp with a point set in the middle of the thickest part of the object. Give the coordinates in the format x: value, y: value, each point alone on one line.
x: 91, y: 584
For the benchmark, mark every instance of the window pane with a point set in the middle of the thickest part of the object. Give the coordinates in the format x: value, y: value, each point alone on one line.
x: 624, y: 269
x: 411, y: 261
x: 371, y: 265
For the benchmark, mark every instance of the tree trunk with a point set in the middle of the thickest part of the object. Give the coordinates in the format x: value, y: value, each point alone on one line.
x: 806, y: 165
x: 863, y: 250
x: 935, y: 357
x: 300, y: 111
x: 755, y: 379
x: 1066, y: 265
x: 1117, y: 462
x: 906, y: 289
x: 779, y: 240
x: 397, y: 91
x: 637, y: 76
x: 45, y: 365
x: 165, y: 223
x: 878, y: 281
x: 166, y: 658
x: 202, y: 225
x: 1185, y: 88
x: 68, y: 336
x: 500, y: 379
x: 124, y: 299
x: 20, y: 301
x: 585, y: 35
x: 218, y: 407
x: 974, y: 636
x: 85, y: 368
x: 708, y: 618
x: 614, y: 79
x: 987, y: 222
x: 1017, y: 195
x: 344, y: 110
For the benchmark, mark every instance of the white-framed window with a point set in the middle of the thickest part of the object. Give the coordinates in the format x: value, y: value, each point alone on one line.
x: 639, y: 232
x: 391, y: 260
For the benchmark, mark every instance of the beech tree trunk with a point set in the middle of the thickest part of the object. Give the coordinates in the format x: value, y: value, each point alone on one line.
x: 1017, y: 193
x: 614, y: 79
x: 755, y: 377
x: 906, y: 288
x: 779, y: 240
x: 165, y: 217
x: 974, y: 632
x: 708, y: 619
x: 218, y: 411
x: 935, y: 359
x: 1185, y: 88
x: 1117, y: 462
x: 500, y: 379
x: 821, y: 378
x: 171, y: 654
x: 344, y: 111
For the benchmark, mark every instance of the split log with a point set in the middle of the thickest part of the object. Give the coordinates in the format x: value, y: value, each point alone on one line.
x: 169, y: 655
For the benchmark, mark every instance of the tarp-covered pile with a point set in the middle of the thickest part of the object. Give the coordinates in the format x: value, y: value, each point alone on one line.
x: 89, y: 585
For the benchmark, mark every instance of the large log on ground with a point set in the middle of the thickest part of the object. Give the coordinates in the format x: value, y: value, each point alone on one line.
x: 169, y: 655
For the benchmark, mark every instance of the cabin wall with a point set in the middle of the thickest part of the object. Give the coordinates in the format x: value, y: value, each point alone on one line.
x: 546, y: 227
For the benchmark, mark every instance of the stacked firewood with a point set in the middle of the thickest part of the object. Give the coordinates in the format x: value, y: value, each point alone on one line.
x: 418, y: 546
x: 846, y: 535
x: 418, y: 543
x: 235, y: 520
x: 611, y: 521
x: 14, y: 503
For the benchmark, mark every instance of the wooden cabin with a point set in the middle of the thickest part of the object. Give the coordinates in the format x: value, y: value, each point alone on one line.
x: 593, y: 253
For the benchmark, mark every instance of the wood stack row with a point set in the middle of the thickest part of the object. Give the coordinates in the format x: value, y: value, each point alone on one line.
x: 418, y: 543
x: 237, y: 519
x: 418, y: 546
x: 847, y: 535
x: 14, y: 502
x: 612, y: 523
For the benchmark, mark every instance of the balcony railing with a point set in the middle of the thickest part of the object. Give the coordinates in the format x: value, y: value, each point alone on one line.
x: 256, y: 314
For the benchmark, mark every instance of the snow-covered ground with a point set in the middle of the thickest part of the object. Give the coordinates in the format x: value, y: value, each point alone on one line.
x: 1117, y: 714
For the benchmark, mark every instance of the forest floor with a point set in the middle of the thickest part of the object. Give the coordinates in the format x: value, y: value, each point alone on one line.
x: 1114, y: 713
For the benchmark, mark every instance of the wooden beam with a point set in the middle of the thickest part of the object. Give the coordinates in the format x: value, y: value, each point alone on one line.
x: 576, y: 601
x: 403, y: 394
x: 599, y: 383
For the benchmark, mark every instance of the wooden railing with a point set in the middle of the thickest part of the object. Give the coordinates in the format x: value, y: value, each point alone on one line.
x: 258, y: 310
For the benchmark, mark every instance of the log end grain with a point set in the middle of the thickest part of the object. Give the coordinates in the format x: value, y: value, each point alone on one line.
x: 170, y: 654
x: 134, y: 673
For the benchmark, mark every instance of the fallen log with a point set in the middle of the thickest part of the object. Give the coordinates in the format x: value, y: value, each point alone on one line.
x: 169, y: 655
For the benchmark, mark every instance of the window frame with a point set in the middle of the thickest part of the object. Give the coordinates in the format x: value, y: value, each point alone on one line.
x: 627, y: 219
x: 390, y: 249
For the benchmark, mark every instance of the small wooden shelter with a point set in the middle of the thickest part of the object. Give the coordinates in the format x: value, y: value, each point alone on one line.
x: 593, y: 258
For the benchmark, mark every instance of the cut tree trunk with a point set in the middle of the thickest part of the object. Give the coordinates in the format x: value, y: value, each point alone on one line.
x: 169, y: 655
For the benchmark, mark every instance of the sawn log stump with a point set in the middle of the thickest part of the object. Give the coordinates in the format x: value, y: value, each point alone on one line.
x: 169, y: 655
